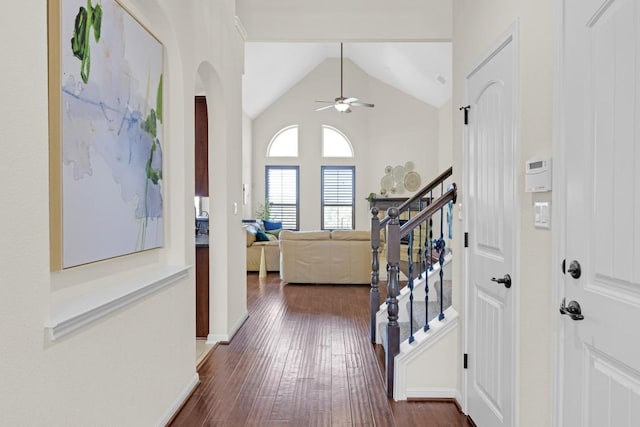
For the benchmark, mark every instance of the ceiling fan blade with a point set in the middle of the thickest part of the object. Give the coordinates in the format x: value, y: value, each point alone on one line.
x: 350, y: 100
x: 326, y: 102
x: 362, y: 104
x: 325, y: 107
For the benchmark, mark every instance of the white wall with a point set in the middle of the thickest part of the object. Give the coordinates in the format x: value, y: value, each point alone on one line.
x: 424, y: 381
x: 247, y: 168
x: 445, y: 136
x: 398, y: 129
x: 130, y: 367
x: 352, y: 20
x: 476, y: 26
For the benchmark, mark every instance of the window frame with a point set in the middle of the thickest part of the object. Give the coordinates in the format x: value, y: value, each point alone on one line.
x: 351, y: 168
x: 267, y: 168
x: 339, y: 132
x: 278, y: 134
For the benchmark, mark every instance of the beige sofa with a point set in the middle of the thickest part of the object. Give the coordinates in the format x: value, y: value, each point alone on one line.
x: 337, y: 257
x: 254, y: 251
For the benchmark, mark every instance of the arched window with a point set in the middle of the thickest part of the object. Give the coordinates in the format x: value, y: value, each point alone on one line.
x: 335, y: 143
x: 284, y: 143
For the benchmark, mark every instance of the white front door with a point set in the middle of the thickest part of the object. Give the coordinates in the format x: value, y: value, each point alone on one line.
x: 490, y: 147
x: 599, y: 356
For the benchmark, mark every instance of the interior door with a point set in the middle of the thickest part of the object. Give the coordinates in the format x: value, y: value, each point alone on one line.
x: 491, y: 207
x: 600, y: 355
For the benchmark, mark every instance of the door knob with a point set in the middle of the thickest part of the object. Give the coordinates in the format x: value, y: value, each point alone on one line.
x: 572, y: 310
x: 506, y: 281
x: 574, y: 269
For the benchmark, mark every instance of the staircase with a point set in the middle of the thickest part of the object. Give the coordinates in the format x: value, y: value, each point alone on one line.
x: 416, y: 325
x: 420, y: 313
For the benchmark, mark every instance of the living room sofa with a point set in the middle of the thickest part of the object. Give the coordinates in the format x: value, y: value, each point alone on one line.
x: 336, y: 257
x: 254, y: 249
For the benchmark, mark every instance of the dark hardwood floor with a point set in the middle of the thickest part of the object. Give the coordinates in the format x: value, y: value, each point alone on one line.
x: 303, y: 358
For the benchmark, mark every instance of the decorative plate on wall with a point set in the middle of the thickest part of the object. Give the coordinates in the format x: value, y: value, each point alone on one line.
x: 399, y: 179
x: 412, y: 181
x: 387, y: 182
x: 398, y: 173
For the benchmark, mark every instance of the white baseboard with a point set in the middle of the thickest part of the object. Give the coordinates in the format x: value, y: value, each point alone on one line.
x: 417, y: 393
x: 182, y: 397
x: 217, y: 338
x: 429, y: 393
x: 459, y: 400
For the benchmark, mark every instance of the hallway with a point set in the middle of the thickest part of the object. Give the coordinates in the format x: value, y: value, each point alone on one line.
x: 303, y: 358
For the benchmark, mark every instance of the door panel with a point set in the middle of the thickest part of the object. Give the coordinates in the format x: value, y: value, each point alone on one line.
x: 488, y: 378
x: 614, y: 391
x: 489, y: 143
x: 600, y: 368
x: 490, y: 149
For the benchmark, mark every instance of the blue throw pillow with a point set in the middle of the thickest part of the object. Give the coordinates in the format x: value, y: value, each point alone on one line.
x: 272, y: 225
x: 261, y: 236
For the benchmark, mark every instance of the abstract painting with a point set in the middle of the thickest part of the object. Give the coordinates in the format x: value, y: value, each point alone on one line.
x: 106, y: 122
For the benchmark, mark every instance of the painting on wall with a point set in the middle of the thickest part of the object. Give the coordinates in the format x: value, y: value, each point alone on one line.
x: 106, y: 123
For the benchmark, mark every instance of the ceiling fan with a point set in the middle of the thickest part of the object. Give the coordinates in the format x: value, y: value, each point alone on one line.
x: 341, y: 103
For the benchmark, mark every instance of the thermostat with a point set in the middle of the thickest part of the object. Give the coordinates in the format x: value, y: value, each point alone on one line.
x: 537, y: 176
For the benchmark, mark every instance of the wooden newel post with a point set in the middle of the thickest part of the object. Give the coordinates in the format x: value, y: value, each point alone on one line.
x: 393, y: 290
x: 374, y: 295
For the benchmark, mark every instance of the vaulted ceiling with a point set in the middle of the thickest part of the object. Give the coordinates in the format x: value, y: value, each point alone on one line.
x: 420, y: 69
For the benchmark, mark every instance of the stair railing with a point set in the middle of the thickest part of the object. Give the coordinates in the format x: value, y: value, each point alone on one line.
x: 378, y: 224
x: 395, y: 232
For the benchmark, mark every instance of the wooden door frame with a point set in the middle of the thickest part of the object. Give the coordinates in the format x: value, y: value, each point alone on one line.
x: 558, y: 213
x: 510, y: 35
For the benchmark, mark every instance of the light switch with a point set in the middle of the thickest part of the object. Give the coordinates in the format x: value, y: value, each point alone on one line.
x: 542, y: 215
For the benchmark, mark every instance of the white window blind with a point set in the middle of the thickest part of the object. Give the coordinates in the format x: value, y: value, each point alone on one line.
x: 338, y: 197
x: 282, y: 194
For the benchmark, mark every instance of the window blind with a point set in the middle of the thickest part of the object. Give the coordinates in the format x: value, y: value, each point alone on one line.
x: 338, y: 197
x: 282, y: 194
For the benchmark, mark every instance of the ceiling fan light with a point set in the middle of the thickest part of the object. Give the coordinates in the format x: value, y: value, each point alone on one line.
x: 342, y: 107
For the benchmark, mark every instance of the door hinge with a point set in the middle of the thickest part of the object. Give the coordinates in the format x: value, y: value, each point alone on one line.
x: 466, y: 239
x: 466, y: 113
x: 466, y: 360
